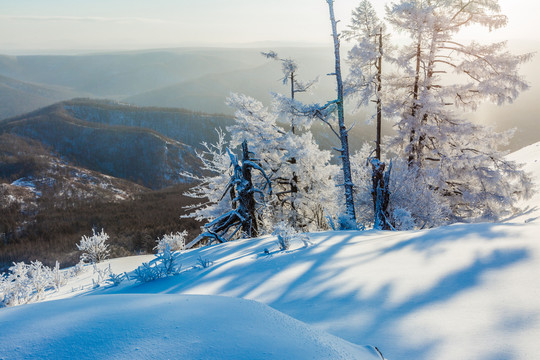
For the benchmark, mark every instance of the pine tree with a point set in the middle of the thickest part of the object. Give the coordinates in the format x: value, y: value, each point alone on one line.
x: 439, y: 75
x: 366, y: 61
x: 365, y: 83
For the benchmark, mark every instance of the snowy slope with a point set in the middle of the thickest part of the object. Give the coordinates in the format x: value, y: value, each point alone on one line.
x: 164, y: 327
x: 459, y: 292
x: 530, y: 157
x: 466, y: 291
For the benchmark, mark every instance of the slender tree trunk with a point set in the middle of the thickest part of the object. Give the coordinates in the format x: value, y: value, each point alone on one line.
x: 294, y: 182
x: 292, y: 97
x: 379, y: 101
x: 414, y: 109
x: 343, y: 133
x: 380, y: 191
x: 428, y: 84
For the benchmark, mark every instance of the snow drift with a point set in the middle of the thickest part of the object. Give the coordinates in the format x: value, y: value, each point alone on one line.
x: 164, y: 327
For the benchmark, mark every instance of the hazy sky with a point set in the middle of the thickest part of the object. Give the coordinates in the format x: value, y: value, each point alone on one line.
x: 135, y: 24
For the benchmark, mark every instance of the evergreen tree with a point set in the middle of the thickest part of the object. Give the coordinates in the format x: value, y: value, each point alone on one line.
x: 440, y: 75
x: 365, y: 82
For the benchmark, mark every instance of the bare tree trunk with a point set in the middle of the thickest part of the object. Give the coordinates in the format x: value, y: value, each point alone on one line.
x: 380, y: 191
x: 343, y: 132
x: 379, y: 101
x: 380, y: 194
x: 413, y: 149
x: 249, y: 225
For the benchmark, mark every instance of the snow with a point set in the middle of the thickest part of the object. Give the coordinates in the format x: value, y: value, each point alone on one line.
x: 449, y: 293
x: 530, y: 157
x: 465, y: 291
x: 162, y: 327
x: 29, y: 183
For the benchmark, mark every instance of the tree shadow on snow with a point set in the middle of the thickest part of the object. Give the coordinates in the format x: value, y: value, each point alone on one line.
x: 301, y: 283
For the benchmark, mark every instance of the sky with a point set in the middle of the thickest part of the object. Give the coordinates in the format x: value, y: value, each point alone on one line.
x: 61, y: 25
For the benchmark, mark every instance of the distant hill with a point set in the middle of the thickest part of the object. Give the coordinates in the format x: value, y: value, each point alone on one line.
x: 118, y: 74
x: 146, y: 145
x: 188, y: 127
x: 35, y: 183
x: 26, y: 163
x: 18, y: 97
x: 192, y: 128
x: 137, y: 154
x: 209, y: 92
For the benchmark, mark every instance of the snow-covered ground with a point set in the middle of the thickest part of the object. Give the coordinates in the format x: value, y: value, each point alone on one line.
x: 465, y: 291
x: 161, y: 326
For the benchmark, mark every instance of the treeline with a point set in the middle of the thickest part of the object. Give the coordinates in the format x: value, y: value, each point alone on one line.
x: 133, y: 226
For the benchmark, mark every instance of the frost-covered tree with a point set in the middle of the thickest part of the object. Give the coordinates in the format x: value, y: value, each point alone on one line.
x: 411, y: 204
x: 332, y: 114
x: 209, y: 188
x: 94, y: 248
x: 274, y: 147
x: 304, y: 169
x: 365, y: 83
x: 289, y: 68
x: 440, y: 75
x: 286, y: 158
x: 244, y: 214
x: 174, y: 241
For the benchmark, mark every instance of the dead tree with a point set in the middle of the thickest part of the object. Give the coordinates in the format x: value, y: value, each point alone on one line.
x: 243, y: 214
x: 343, y: 132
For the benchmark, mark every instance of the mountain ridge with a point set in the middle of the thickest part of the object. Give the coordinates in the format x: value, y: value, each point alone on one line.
x: 133, y: 153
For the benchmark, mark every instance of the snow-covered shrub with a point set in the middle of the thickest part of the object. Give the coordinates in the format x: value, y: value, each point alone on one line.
x: 402, y: 219
x: 74, y: 270
x: 59, y: 279
x: 410, y: 191
x: 25, y: 283
x: 286, y: 234
x: 165, y: 259
x: 176, y: 241
x: 102, y: 275
x: 204, y: 263
x: 94, y: 248
x: 162, y: 266
x: 346, y: 223
x: 146, y: 273
x: 16, y: 289
x: 106, y: 276
x: 41, y: 278
x: 115, y: 279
